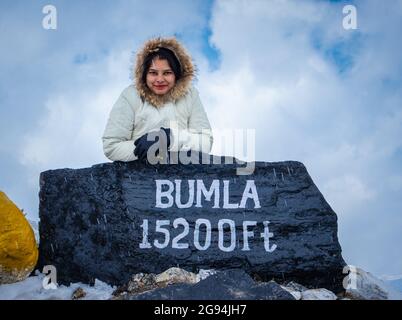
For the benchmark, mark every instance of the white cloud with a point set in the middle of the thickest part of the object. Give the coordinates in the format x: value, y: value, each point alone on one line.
x: 357, y: 193
x: 69, y: 134
x: 277, y: 75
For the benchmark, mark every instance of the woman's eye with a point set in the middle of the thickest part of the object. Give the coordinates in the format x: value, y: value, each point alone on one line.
x: 168, y: 72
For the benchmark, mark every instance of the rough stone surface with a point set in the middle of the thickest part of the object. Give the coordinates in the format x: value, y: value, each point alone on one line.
x: 176, y: 275
x: 79, y: 293
x: 144, y: 282
x: 138, y: 283
x: 318, y: 294
x: 92, y: 219
x: 224, y: 285
x: 294, y: 289
x: 296, y: 294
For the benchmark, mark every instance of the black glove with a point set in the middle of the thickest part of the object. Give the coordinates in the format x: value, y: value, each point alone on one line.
x: 143, y: 143
x: 168, y: 137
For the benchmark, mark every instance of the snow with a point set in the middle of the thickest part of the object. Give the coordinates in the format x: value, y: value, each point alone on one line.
x: 391, y: 277
x: 32, y: 289
x: 318, y: 294
x: 395, y: 281
x: 364, y: 285
x: 205, y: 273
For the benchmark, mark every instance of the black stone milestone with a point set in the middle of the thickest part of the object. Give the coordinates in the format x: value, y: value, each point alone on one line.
x: 113, y: 220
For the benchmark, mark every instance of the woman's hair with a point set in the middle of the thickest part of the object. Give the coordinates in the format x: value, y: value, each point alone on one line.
x: 163, y: 54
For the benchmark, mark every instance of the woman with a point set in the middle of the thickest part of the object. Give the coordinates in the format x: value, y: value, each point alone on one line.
x: 162, y: 106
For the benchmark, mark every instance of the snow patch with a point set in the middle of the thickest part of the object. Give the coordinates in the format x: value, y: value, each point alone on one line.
x: 32, y: 289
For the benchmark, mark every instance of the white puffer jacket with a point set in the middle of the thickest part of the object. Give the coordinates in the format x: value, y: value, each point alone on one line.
x: 139, y: 111
x: 131, y: 118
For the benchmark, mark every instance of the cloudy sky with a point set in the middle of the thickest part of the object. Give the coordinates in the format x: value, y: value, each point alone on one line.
x: 313, y: 91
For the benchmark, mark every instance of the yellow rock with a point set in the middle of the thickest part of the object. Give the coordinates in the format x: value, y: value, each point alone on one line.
x: 18, y: 249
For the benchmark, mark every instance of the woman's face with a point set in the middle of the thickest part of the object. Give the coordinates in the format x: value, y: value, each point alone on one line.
x: 160, y: 77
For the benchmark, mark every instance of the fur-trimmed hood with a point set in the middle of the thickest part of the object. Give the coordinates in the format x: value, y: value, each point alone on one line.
x: 181, y: 87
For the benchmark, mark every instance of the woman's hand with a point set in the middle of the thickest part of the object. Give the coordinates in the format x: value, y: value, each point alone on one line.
x: 142, y: 144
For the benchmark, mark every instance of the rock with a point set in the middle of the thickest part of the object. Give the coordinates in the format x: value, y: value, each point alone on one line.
x: 79, y: 293
x: 18, y: 250
x: 144, y: 282
x: 141, y: 282
x: 318, y: 294
x: 224, y: 285
x: 176, y: 275
x: 362, y: 285
x: 296, y: 294
x: 138, y: 283
x: 113, y: 220
x: 294, y: 289
x: 295, y: 286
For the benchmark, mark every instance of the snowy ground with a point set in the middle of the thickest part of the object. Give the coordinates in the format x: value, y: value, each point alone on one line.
x: 394, y: 281
x: 32, y: 289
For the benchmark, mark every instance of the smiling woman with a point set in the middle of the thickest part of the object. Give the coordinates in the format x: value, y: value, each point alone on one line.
x: 161, y: 108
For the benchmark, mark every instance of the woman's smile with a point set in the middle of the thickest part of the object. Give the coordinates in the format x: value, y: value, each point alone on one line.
x: 160, y: 86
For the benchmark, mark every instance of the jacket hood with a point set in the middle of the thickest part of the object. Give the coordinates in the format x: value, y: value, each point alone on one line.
x: 181, y: 86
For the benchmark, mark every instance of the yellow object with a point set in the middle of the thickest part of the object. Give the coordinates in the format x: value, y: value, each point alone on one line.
x: 18, y: 249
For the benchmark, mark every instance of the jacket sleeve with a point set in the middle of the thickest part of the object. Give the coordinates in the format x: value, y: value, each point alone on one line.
x: 198, y: 136
x: 117, y: 143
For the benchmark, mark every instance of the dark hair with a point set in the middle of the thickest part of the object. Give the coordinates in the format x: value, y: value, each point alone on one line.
x: 163, y: 54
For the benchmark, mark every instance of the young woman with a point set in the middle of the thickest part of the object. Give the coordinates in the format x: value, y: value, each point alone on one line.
x: 161, y: 108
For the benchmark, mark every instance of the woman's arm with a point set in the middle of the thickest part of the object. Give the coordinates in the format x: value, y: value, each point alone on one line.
x: 117, y: 143
x: 198, y: 136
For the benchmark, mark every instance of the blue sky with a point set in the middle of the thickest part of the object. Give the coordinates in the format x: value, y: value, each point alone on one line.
x: 313, y: 91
